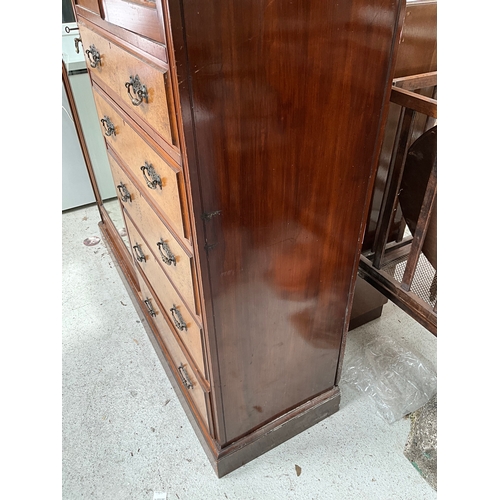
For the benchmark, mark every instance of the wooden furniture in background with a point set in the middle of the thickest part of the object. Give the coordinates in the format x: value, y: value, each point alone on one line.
x: 243, y: 139
x: 391, y: 266
x: 417, y: 54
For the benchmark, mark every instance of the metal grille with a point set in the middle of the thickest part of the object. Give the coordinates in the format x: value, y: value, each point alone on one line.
x: 424, y: 283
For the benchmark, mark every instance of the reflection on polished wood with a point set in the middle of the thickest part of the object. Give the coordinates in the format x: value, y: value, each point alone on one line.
x: 287, y: 102
x: 276, y: 111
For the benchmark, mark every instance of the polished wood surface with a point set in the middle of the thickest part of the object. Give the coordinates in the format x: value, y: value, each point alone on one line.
x: 287, y: 128
x: 116, y: 68
x: 276, y: 111
x: 168, y: 298
x: 154, y: 231
x: 134, y: 152
x: 180, y: 364
x: 128, y: 38
x: 139, y: 16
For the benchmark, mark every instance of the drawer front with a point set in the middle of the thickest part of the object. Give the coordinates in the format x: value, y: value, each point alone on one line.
x: 115, y: 70
x: 135, y: 15
x: 187, y: 329
x: 137, y: 155
x: 181, y: 365
x: 92, y: 5
x: 170, y: 255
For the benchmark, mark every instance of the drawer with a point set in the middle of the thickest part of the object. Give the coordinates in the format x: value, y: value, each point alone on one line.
x: 180, y: 365
x: 139, y: 16
x: 187, y: 328
x: 173, y: 259
x: 116, y: 68
x: 92, y: 5
x: 158, y: 180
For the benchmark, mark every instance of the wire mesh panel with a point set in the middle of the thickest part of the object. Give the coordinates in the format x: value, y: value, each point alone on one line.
x: 424, y: 283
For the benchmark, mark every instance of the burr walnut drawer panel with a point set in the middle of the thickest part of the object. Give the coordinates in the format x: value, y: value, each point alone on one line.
x: 179, y: 362
x: 187, y: 328
x: 174, y: 260
x: 141, y: 87
x: 159, y: 181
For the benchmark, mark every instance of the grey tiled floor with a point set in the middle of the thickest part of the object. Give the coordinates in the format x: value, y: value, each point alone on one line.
x: 125, y: 435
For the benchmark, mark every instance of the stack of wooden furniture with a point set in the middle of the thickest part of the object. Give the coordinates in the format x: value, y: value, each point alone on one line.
x: 243, y: 140
x: 400, y: 248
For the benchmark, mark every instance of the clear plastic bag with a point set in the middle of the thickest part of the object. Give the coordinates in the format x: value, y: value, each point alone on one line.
x: 399, y: 381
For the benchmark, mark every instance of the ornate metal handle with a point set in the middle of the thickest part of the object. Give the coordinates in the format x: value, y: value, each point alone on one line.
x: 152, y: 178
x: 178, y: 319
x: 140, y: 91
x: 109, y: 128
x: 93, y: 56
x: 138, y: 253
x: 125, y: 195
x: 151, y: 311
x: 185, y: 378
x: 168, y: 257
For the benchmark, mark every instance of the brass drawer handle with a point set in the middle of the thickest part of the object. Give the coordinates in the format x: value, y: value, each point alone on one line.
x: 151, y: 311
x: 150, y: 175
x: 185, y: 378
x: 140, y: 91
x: 139, y: 255
x: 125, y: 195
x: 179, y: 322
x: 168, y: 257
x: 93, y: 56
x: 109, y: 128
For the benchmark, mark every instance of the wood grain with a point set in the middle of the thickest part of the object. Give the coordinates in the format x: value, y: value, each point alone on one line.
x: 195, y: 393
x: 167, y: 296
x: 417, y: 54
x: 92, y: 5
x: 154, y: 231
x: 286, y: 102
x: 143, y: 18
x: 420, y: 103
x: 134, y: 151
x: 137, y: 43
x: 116, y: 68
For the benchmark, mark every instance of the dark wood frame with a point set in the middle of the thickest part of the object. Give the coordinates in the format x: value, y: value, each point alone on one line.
x: 241, y: 449
x: 247, y: 448
x: 384, y: 251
